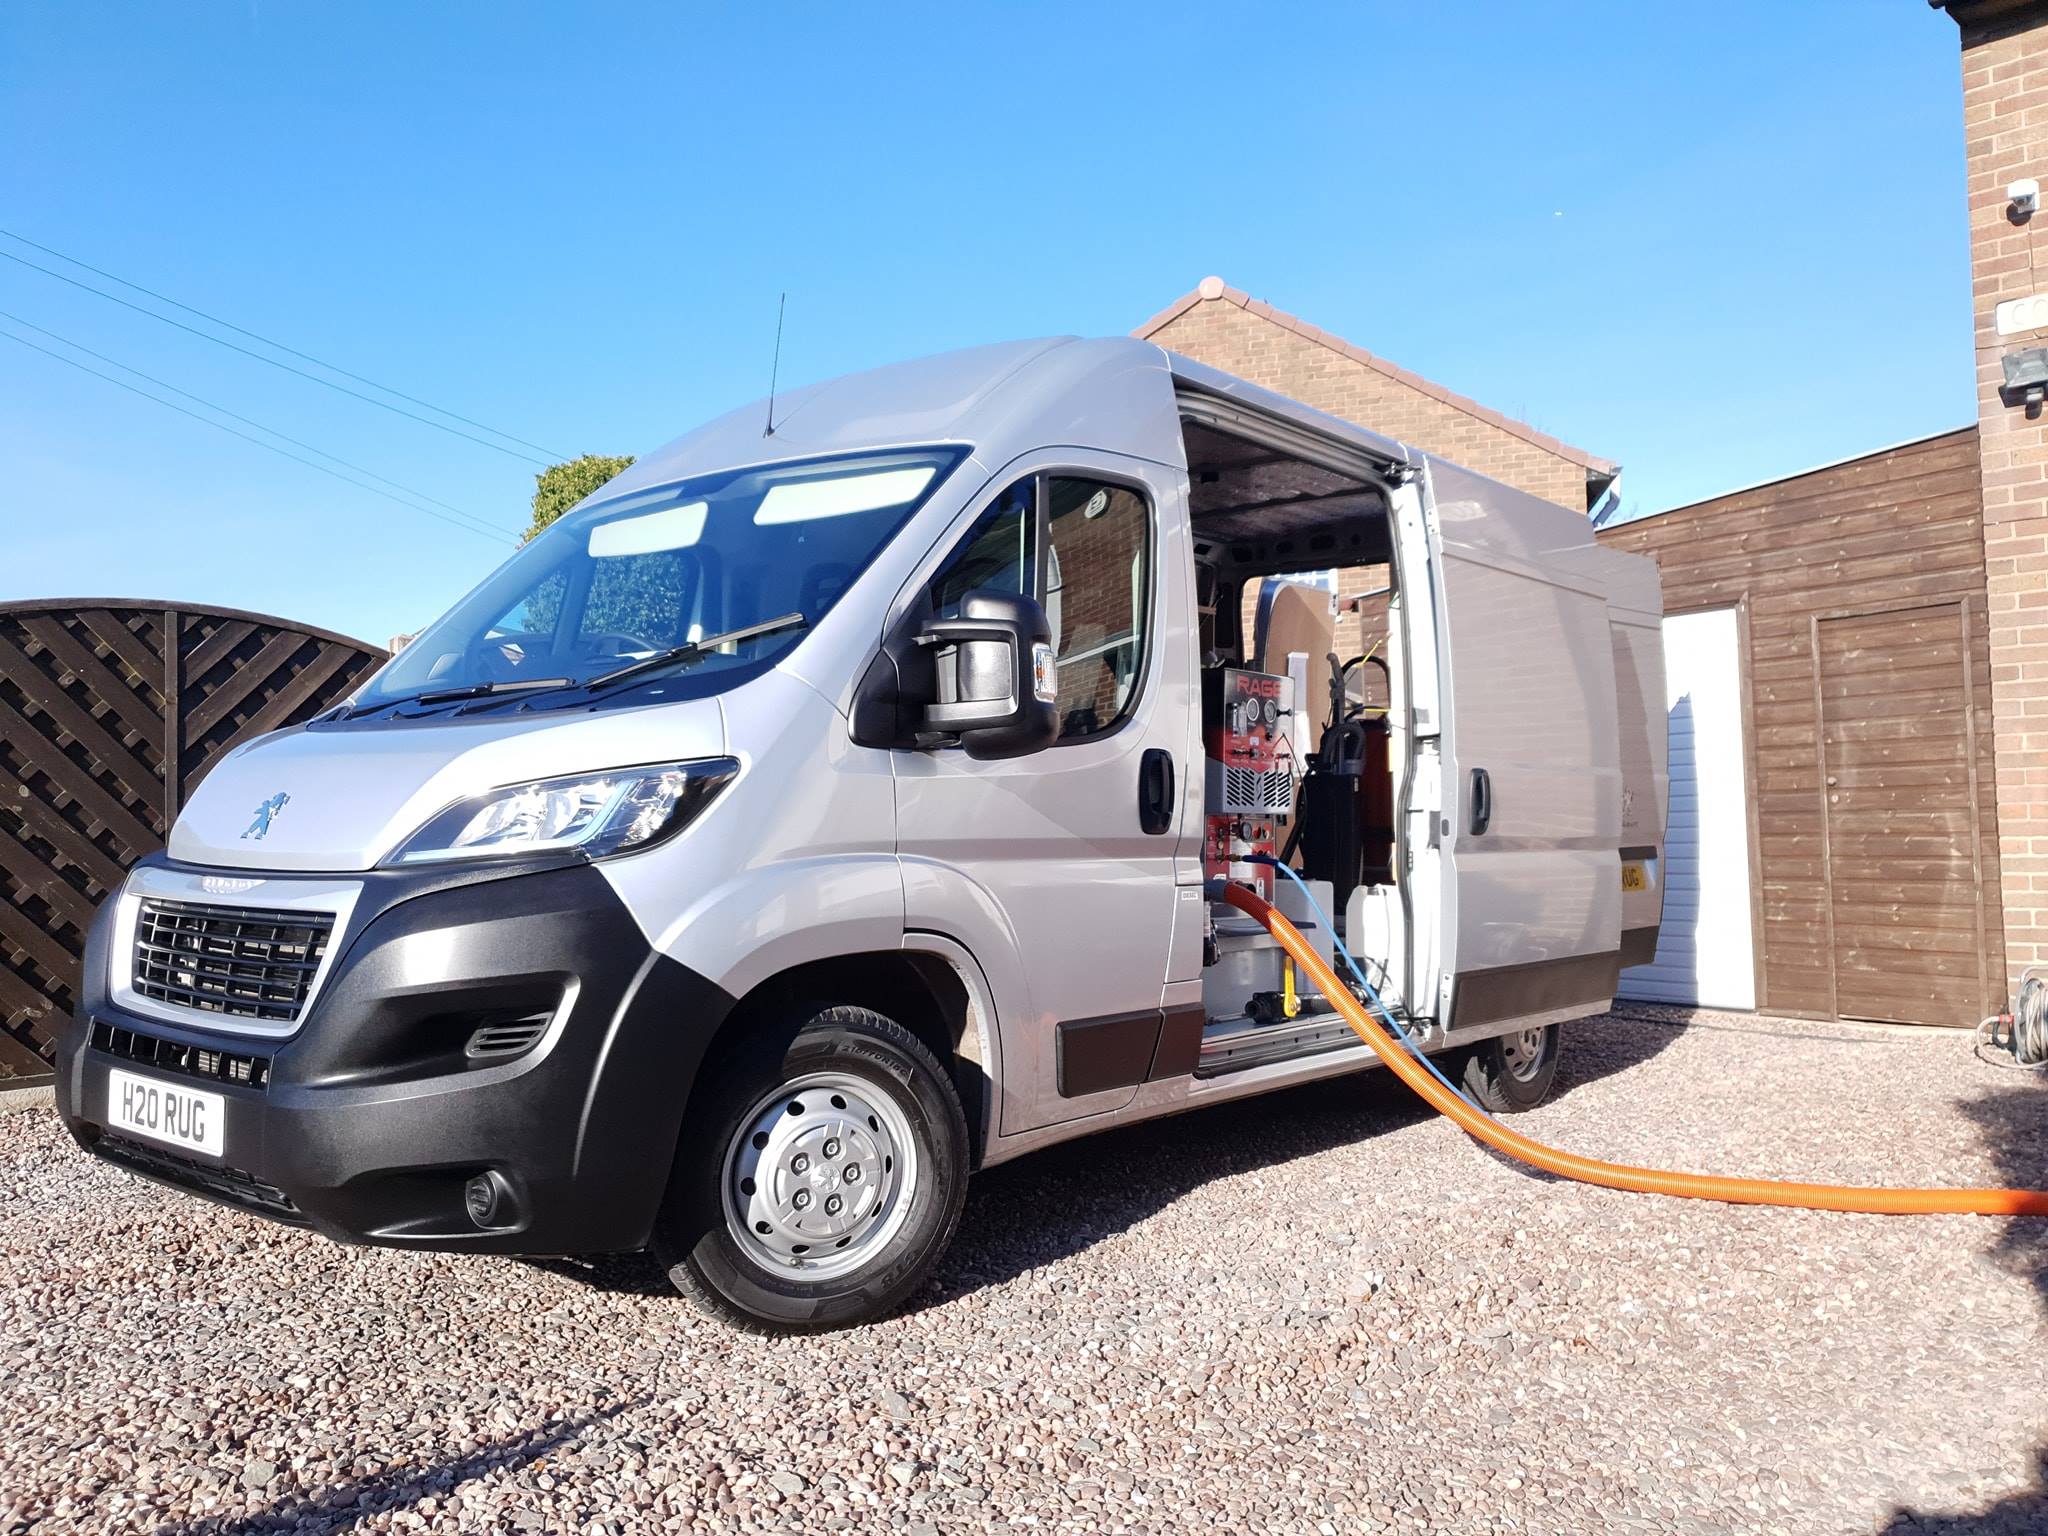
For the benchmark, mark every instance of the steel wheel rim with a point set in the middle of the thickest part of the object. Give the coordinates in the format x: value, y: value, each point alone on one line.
x: 819, y: 1175
x: 1522, y: 1053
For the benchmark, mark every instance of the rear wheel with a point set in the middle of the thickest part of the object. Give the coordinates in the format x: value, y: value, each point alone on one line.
x: 1514, y: 1072
x: 819, y: 1178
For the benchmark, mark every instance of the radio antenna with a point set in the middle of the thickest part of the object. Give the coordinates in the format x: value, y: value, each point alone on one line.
x: 775, y: 368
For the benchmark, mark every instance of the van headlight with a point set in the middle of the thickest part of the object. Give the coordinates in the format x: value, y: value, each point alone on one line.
x: 594, y: 814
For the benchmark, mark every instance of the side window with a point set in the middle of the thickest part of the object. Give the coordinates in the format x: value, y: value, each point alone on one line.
x: 1093, y: 581
x: 998, y: 553
x: 1097, y: 575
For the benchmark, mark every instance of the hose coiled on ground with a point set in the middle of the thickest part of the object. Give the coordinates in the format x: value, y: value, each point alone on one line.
x: 2021, y: 1034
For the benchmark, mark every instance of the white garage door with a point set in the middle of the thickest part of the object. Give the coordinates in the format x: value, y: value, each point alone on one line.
x: 1703, y: 947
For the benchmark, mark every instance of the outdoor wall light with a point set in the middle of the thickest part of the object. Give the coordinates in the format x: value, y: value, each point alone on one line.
x: 2026, y: 378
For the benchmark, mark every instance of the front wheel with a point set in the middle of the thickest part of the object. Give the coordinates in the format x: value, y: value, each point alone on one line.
x: 820, y: 1177
x: 1514, y: 1072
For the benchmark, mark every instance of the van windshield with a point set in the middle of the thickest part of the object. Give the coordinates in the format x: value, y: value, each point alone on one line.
x: 627, y: 579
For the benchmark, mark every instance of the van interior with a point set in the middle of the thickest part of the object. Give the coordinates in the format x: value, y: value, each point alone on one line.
x: 1262, y: 513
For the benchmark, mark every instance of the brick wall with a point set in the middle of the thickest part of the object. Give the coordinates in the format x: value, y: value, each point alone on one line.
x: 1227, y: 329
x: 2005, y: 117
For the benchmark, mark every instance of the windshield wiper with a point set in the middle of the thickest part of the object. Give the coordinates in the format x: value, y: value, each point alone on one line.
x: 467, y: 691
x: 696, y: 650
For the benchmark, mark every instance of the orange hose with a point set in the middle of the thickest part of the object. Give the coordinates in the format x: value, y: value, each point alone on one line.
x: 1695, y: 1186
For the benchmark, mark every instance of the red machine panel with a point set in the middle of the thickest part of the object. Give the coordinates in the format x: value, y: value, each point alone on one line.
x: 1229, y: 841
x: 1245, y: 718
x: 1249, y: 783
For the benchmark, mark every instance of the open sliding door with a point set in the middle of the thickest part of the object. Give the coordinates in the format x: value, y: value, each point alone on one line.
x: 1529, y: 830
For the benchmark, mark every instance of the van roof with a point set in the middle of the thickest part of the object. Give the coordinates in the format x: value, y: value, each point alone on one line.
x: 1114, y: 393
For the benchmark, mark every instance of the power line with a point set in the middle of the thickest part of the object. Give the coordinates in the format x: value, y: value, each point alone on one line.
x: 222, y: 341
x: 242, y: 330
x: 483, y: 525
x: 220, y: 426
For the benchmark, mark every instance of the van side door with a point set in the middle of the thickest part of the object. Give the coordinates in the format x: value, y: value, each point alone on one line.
x: 1530, y: 797
x: 1057, y: 869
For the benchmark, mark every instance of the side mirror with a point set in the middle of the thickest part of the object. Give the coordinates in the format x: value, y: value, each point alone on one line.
x: 998, y: 685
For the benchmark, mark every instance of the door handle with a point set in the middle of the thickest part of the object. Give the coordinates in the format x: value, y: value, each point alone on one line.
x: 1482, y: 801
x: 1155, y: 790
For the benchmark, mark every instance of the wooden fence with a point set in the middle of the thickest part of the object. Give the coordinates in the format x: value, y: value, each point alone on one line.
x: 110, y: 712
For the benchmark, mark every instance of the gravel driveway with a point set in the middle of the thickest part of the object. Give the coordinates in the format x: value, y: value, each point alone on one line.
x: 1324, y: 1311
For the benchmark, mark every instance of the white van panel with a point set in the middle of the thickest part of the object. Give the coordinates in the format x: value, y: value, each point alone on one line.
x: 1533, y: 903
x: 1705, y: 953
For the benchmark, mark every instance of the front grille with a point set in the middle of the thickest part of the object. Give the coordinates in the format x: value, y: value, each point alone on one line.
x: 186, y: 1060
x: 238, y: 961
x: 228, y: 1184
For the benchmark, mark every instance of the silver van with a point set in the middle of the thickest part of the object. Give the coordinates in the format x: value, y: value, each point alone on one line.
x: 827, y: 809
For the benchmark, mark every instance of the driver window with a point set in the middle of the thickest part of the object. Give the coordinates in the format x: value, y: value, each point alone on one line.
x: 1097, y: 587
x: 997, y: 554
x: 1082, y: 547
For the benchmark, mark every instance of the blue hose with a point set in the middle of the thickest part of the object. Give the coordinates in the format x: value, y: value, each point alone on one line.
x: 1371, y: 996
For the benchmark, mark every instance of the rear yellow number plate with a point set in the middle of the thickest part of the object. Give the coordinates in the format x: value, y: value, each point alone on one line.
x: 1632, y: 876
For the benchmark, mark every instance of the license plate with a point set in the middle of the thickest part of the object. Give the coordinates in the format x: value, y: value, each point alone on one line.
x: 183, y: 1117
x: 1633, y: 877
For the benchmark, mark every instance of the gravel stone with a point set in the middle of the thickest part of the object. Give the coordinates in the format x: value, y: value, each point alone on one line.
x: 1321, y: 1311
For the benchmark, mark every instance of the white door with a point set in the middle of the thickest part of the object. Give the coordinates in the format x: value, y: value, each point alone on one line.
x: 1704, y: 955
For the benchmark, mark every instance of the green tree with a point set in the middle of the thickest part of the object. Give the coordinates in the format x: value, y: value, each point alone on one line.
x: 560, y: 486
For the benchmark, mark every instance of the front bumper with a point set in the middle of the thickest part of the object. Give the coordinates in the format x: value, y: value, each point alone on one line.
x: 367, y: 1122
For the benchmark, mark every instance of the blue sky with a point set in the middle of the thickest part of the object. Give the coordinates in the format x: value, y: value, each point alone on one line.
x: 1717, y: 243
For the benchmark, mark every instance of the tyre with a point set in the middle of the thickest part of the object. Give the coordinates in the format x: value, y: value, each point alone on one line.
x: 819, y: 1176
x: 1514, y: 1072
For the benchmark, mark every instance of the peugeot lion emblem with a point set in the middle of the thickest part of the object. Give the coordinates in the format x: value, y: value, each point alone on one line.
x: 266, y: 813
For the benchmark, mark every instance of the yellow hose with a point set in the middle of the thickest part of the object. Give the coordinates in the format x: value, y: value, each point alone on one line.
x: 1695, y: 1186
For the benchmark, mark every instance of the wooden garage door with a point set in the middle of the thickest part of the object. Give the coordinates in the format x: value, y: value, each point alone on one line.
x: 1901, y: 841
